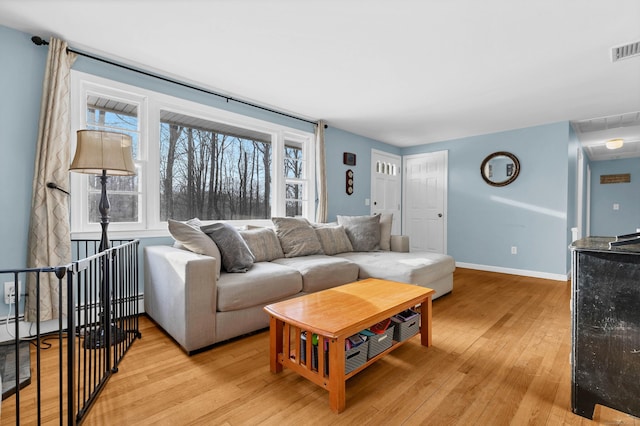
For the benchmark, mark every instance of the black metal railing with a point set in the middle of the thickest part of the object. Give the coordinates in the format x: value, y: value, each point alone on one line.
x: 99, y: 291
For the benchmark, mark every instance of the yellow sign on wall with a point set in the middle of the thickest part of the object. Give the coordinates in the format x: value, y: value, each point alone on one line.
x: 621, y: 178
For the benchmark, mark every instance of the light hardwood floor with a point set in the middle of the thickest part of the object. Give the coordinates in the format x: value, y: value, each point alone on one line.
x: 500, y: 356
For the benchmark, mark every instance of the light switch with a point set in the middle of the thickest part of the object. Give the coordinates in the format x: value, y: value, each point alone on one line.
x: 616, y: 206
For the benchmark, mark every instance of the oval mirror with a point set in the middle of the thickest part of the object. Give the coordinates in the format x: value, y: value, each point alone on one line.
x: 500, y: 168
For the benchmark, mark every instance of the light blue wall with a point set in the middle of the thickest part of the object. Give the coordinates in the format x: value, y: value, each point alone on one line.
x: 484, y: 222
x: 336, y: 143
x: 604, y: 220
x: 21, y: 76
x: 573, y: 146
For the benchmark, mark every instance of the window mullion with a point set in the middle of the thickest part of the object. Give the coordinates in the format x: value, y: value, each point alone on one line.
x: 152, y: 182
x: 278, y: 180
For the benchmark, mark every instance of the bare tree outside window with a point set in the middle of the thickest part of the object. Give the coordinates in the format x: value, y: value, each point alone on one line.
x: 212, y: 174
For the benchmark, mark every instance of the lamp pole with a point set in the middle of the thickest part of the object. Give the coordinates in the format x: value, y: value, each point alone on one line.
x: 104, y: 207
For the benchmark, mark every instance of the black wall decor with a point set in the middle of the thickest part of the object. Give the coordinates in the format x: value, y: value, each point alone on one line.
x: 349, y: 158
x: 349, y: 181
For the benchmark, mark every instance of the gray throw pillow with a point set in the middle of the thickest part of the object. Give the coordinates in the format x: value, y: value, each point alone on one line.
x: 363, y: 231
x: 236, y: 256
x: 296, y: 236
x: 333, y: 239
x: 188, y: 235
x: 263, y: 243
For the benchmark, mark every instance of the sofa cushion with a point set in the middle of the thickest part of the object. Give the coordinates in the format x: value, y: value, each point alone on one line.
x: 333, y: 239
x: 236, y: 256
x: 263, y: 243
x: 320, y: 272
x: 363, y: 231
x: 190, y: 236
x: 386, y: 221
x: 264, y: 283
x: 416, y: 267
x: 296, y: 236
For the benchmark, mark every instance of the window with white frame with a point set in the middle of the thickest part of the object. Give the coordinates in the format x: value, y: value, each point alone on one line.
x: 192, y: 160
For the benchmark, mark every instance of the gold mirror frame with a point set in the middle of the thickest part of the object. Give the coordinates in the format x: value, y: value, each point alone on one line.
x: 511, y: 172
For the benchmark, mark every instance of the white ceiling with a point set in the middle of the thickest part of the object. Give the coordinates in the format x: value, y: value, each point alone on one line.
x: 402, y: 72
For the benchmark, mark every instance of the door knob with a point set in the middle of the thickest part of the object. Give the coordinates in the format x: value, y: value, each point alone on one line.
x: 439, y: 214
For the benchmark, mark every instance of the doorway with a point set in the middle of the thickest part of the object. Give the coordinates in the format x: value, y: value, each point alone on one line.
x: 386, y: 187
x: 425, y: 201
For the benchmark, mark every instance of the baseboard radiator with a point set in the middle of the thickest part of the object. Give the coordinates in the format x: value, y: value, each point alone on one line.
x: 58, y: 375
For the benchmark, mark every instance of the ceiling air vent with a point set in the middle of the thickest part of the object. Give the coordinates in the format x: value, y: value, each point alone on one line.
x: 627, y: 51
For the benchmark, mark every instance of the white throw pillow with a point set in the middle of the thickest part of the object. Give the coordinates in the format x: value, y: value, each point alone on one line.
x: 189, y: 236
x: 363, y: 231
x: 333, y: 239
x: 263, y: 243
x: 297, y: 237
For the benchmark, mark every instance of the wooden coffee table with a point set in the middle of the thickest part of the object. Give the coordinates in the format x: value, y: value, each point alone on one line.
x: 336, y: 314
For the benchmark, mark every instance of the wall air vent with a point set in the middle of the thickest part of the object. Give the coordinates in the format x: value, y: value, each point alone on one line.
x: 626, y: 51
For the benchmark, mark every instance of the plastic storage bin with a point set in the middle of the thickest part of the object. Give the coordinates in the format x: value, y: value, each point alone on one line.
x: 405, y: 329
x: 380, y: 342
x: 354, y: 357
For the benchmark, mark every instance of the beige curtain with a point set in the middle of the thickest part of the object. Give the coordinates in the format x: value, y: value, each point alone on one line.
x: 321, y: 174
x: 49, y: 233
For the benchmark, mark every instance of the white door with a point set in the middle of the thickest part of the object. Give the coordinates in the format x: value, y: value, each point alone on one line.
x: 425, y: 201
x: 386, y: 186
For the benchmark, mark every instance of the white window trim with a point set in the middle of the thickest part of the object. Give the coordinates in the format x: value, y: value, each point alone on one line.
x: 150, y: 103
x: 308, y: 180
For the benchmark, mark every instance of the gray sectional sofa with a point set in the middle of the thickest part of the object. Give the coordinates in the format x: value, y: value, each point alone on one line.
x: 189, y: 293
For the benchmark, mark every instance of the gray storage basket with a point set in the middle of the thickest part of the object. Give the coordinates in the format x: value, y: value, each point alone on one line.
x: 380, y: 342
x: 355, y: 357
x: 404, y: 330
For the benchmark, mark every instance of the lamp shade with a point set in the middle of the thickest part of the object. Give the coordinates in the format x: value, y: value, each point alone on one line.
x: 98, y: 151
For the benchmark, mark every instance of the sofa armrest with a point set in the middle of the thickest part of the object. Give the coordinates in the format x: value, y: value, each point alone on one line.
x: 180, y: 294
x: 400, y: 243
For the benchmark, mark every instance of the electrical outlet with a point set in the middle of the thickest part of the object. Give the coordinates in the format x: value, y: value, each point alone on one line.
x: 10, y: 292
x: 514, y: 250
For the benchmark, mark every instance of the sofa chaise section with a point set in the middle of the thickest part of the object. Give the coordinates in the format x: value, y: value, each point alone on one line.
x: 425, y: 269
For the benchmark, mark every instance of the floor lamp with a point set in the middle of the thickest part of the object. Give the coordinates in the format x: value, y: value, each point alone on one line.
x: 104, y: 154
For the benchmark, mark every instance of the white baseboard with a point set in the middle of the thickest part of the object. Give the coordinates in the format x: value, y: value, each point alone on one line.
x: 28, y: 329
x: 522, y: 272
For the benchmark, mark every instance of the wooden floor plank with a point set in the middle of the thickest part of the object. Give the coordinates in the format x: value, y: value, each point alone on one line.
x: 500, y: 356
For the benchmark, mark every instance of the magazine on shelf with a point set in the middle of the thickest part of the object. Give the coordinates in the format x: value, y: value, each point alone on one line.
x: 380, y: 327
x: 353, y: 341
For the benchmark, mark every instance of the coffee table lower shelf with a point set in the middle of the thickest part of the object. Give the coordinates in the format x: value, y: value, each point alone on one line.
x: 286, y: 349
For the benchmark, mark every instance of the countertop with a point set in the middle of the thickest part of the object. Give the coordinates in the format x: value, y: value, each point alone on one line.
x: 602, y: 244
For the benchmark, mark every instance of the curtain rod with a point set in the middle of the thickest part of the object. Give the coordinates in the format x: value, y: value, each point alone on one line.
x: 40, y: 42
